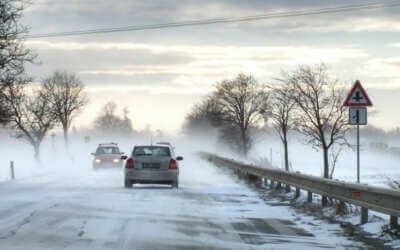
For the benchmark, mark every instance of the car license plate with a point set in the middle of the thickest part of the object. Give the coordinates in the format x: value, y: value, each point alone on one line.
x: 151, y: 165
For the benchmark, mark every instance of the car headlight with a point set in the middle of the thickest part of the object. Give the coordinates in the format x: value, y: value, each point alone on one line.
x: 116, y: 160
x: 97, y: 160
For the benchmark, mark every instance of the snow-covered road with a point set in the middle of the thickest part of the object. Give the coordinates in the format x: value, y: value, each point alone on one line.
x: 211, y: 210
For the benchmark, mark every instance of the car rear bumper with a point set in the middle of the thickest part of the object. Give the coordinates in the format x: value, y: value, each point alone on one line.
x: 151, y: 176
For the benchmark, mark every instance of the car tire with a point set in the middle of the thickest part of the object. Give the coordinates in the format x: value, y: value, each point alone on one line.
x: 128, y: 184
x: 175, y: 184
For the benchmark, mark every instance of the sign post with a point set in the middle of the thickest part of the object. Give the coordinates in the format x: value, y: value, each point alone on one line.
x: 357, y: 101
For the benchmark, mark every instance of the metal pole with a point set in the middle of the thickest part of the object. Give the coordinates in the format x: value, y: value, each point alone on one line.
x: 12, y: 170
x: 270, y: 154
x: 358, y: 153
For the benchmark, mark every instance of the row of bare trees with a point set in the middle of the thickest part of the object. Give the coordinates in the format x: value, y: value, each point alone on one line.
x: 35, y: 110
x: 110, y: 123
x: 234, y: 108
x: 306, y: 100
x: 31, y: 111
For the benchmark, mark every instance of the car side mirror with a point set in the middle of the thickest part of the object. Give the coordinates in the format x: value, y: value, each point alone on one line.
x: 124, y: 157
x: 179, y: 158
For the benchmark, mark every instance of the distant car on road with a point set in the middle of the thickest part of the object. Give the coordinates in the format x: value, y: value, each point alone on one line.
x: 152, y: 164
x: 107, y: 155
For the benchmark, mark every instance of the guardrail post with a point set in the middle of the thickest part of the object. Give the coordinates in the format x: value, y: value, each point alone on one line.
x: 287, y: 188
x: 12, y: 170
x: 364, y: 215
x: 309, y: 196
x: 297, y: 192
x: 394, y: 223
x: 252, y: 177
x: 324, y: 201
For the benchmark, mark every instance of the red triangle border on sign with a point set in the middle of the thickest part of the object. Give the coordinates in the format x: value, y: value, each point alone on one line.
x: 347, y: 103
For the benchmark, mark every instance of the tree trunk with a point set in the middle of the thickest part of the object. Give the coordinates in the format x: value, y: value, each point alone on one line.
x: 36, y: 148
x: 326, y: 162
x: 244, y: 142
x: 66, y: 139
x: 285, y: 148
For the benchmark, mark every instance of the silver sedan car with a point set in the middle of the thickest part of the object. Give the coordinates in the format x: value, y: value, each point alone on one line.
x: 152, y: 164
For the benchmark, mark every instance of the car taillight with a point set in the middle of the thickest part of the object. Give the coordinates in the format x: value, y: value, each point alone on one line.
x: 129, y: 163
x: 172, y: 164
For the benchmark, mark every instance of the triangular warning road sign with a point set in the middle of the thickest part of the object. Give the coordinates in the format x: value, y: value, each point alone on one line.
x: 357, y: 97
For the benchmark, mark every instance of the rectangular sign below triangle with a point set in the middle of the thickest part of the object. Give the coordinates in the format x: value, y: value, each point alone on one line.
x: 357, y: 97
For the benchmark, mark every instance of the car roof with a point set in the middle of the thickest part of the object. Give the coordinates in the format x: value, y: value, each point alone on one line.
x: 111, y: 144
x: 153, y: 145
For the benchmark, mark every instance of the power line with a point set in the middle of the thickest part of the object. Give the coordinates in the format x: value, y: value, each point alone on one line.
x: 309, y: 12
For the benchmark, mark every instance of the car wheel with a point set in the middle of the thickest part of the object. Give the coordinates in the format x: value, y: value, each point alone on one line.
x: 128, y: 184
x: 175, y: 184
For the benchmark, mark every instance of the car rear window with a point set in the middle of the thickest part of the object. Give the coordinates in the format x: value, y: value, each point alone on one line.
x: 107, y: 150
x: 151, y: 151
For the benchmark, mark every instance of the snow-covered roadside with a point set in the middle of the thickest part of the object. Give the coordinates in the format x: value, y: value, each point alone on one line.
x: 377, y: 227
x: 376, y: 169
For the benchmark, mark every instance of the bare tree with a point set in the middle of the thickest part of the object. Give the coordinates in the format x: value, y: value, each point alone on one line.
x: 241, y: 101
x: 323, y: 118
x: 66, y: 93
x: 334, y: 156
x: 203, y: 116
x: 279, y: 111
x: 32, y: 116
x: 13, y: 54
x: 108, y: 121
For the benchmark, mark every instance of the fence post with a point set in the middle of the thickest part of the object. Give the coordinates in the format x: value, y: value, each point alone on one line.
x: 364, y: 215
x: 12, y: 170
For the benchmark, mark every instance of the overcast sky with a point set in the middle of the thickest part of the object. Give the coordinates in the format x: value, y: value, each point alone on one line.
x: 160, y: 74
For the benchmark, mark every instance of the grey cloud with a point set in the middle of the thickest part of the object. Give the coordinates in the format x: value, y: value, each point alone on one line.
x: 63, y: 15
x: 154, y: 80
x: 94, y: 59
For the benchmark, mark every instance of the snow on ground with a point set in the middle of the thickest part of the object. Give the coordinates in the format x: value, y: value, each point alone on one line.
x: 375, y: 169
x: 197, y: 175
x: 211, y: 210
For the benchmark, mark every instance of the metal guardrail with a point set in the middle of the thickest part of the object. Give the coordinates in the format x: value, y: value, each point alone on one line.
x: 383, y: 200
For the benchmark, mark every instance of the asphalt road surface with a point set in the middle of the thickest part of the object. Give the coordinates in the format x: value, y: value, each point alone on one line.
x: 85, y: 209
